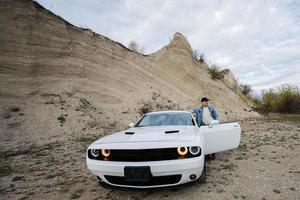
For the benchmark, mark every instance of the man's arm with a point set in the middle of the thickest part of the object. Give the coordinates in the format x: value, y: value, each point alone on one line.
x: 214, y: 114
x: 195, y: 113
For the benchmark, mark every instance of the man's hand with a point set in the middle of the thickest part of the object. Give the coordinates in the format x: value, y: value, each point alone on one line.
x: 212, y: 123
x: 194, y: 114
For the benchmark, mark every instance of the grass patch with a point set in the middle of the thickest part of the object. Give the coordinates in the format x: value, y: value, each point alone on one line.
x: 145, y: 108
x: 86, y: 140
x: 157, y: 103
x: 229, y: 167
x: 276, y: 191
x: 215, y: 72
x: 5, y: 169
x: 221, y: 191
x: 77, y: 194
x: 282, y: 139
x: 18, y: 178
x: 243, y: 147
x: 30, y: 150
x: 42, y: 153
x: 49, y: 176
x: 14, y: 109
x: 50, y: 146
x: 61, y: 119
x: 239, y: 158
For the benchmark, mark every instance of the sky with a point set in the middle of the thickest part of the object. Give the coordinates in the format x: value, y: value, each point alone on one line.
x: 258, y: 40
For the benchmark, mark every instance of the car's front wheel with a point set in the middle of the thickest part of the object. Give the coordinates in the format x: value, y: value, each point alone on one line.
x: 202, y: 178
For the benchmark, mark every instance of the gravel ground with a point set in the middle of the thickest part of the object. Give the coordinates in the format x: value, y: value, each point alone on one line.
x: 265, y: 166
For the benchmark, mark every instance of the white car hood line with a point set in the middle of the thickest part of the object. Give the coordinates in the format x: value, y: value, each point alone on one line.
x: 151, y: 134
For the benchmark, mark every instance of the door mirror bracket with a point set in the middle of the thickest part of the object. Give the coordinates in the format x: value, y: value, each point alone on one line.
x: 130, y: 125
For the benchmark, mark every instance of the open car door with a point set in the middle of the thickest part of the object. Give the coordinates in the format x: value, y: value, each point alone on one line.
x: 221, y: 137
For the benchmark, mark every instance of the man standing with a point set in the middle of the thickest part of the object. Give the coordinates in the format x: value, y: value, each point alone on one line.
x: 205, y: 113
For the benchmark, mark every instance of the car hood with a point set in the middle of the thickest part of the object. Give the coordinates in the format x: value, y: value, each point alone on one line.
x: 151, y: 134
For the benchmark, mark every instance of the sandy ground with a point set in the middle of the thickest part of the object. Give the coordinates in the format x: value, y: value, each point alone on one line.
x: 265, y: 166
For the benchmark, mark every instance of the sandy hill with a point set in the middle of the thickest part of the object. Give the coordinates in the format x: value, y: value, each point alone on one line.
x: 57, y: 79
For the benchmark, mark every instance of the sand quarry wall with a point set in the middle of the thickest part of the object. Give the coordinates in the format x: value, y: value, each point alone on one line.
x: 50, y: 68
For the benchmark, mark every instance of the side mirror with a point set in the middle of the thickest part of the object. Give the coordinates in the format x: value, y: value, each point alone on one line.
x: 130, y: 125
x: 212, y: 123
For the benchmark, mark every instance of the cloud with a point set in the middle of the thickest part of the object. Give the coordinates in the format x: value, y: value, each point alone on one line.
x: 258, y: 40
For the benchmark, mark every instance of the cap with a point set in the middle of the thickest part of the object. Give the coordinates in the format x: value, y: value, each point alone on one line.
x: 204, y: 99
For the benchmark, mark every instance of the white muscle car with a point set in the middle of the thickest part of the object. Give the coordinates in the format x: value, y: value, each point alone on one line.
x: 161, y: 149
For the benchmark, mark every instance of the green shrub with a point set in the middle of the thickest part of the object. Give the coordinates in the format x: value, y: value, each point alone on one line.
x: 215, y: 72
x: 145, y: 107
x: 288, y: 99
x: 61, y: 119
x: 246, y: 90
x: 236, y: 85
x: 199, y: 57
x: 268, y: 97
x: 285, y: 98
x: 134, y: 46
x: 256, y: 100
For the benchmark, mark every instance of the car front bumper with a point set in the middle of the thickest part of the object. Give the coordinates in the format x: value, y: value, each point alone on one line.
x: 159, y: 170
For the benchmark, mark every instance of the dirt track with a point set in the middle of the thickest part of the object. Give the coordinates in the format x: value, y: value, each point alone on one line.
x: 266, y: 166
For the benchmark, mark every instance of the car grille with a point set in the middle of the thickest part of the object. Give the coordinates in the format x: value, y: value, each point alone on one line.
x: 155, y: 180
x: 135, y: 155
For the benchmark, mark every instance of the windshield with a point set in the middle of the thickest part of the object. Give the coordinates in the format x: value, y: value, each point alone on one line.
x: 166, y: 119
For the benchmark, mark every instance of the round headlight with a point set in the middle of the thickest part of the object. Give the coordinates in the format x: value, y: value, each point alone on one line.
x: 194, y: 150
x: 105, y: 152
x: 95, y: 152
x: 182, y: 151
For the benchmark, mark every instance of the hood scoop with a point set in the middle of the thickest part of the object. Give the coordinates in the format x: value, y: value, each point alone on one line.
x: 129, y: 133
x: 175, y: 131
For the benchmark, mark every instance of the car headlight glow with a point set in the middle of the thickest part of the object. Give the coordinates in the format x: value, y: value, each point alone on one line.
x: 105, y: 152
x: 95, y: 152
x: 194, y: 150
x: 182, y: 151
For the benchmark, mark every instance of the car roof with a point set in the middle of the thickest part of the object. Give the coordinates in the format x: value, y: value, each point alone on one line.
x: 168, y: 111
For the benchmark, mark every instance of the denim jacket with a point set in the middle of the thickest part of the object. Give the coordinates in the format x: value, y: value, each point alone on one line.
x: 199, y: 114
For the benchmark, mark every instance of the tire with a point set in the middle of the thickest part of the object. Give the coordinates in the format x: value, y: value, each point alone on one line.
x: 202, y: 178
x: 210, y: 156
